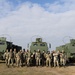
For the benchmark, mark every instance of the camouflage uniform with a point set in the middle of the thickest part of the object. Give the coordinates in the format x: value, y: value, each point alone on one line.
x: 56, y: 60
x: 43, y: 58
x: 48, y: 59
x: 24, y: 57
x: 37, y: 57
x: 33, y: 58
x: 63, y: 58
x: 52, y: 59
x: 18, y: 61
x: 15, y: 55
x: 28, y: 58
x: 21, y: 58
x: 11, y: 58
x: 6, y: 56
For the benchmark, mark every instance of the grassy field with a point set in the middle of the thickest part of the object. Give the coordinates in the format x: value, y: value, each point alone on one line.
x: 4, y: 70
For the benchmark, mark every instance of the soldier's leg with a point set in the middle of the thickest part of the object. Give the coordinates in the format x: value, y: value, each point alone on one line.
x: 39, y: 61
x: 36, y: 61
x: 15, y: 60
x: 18, y: 62
x: 49, y: 63
x: 28, y: 61
x: 57, y: 63
x: 64, y: 62
x: 61, y: 62
x: 9, y: 62
x: 21, y: 62
x: 43, y: 62
x: 25, y: 61
x: 54, y: 63
x: 6, y: 61
x: 12, y: 61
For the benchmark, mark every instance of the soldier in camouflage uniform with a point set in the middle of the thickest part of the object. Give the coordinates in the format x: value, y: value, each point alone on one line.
x: 24, y: 56
x: 6, y: 56
x: 37, y: 57
x: 58, y: 52
x: 15, y: 55
x: 21, y: 58
x: 11, y: 58
x: 52, y: 59
x: 33, y: 58
x: 28, y: 57
x: 18, y: 61
x: 43, y: 58
x: 48, y: 59
x: 63, y: 58
x: 56, y: 59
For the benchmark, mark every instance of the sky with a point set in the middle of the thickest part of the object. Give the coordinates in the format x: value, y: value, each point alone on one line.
x: 21, y: 21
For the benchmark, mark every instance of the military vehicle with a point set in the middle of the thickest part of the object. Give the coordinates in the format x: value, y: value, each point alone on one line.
x: 69, y: 49
x: 6, y: 45
x: 39, y: 44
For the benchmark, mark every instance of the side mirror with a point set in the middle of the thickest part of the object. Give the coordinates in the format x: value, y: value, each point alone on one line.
x: 49, y: 45
x: 28, y: 46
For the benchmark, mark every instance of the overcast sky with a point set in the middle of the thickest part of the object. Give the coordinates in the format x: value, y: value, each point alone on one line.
x: 53, y: 20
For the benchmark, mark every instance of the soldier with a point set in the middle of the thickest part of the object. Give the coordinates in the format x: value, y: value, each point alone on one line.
x: 48, y: 59
x: 6, y: 56
x: 56, y: 60
x: 33, y: 58
x: 52, y: 59
x: 15, y: 55
x: 18, y: 57
x: 58, y: 57
x: 24, y: 56
x: 11, y: 58
x: 37, y: 57
x: 43, y: 59
x: 28, y: 57
x: 21, y: 58
x: 63, y: 58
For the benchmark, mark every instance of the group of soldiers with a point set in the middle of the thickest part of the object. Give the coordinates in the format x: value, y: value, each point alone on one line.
x: 37, y: 58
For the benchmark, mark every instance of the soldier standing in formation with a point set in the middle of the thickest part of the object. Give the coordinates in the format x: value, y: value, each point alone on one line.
x: 33, y: 58
x: 11, y: 58
x: 18, y: 61
x: 52, y: 59
x: 20, y: 58
x: 24, y: 56
x: 28, y: 57
x: 48, y: 59
x: 37, y: 57
x: 43, y: 58
x: 15, y: 55
x: 63, y: 58
x: 56, y: 59
x: 6, y: 56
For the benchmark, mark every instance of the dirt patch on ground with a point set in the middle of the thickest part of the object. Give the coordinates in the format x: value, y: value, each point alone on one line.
x: 4, y: 70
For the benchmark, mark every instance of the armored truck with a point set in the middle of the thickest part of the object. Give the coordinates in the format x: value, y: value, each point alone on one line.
x: 7, y: 45
x: 39, y: 44
x: 69, y: 49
